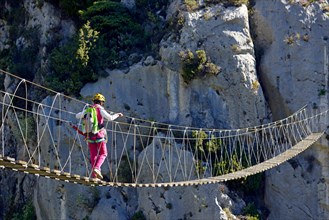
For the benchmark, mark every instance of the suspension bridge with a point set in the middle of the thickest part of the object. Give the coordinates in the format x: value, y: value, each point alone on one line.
x: 36, y: 137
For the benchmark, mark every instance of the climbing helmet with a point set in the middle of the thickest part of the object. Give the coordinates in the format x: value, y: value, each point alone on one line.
x: 99, y: 97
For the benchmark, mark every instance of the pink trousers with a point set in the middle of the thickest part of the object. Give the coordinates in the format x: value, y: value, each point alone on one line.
x: 98, y: 153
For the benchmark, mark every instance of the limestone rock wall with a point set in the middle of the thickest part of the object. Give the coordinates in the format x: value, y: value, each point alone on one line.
x: 291, y: 53
x: 291, y: 44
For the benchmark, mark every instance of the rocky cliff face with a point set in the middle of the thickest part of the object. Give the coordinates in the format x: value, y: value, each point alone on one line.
x: 272, y: 62
x: 155, y: 89
x: 293, y: 69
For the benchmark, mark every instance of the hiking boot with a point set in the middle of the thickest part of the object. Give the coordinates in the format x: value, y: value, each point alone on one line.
x: 98, y: 174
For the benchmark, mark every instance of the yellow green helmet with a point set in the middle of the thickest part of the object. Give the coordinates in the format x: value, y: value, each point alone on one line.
x: 99, y: 97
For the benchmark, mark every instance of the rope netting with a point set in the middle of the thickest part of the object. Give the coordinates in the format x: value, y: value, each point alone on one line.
x: 36, y: 131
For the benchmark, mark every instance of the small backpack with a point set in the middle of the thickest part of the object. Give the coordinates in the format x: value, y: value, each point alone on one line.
x: 92, y: 122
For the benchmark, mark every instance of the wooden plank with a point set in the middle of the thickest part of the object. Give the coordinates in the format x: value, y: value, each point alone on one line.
x: 10, y: 159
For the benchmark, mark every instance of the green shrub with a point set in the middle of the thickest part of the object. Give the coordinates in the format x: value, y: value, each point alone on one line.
x: 196, y: 65
x: 25, y: 126
x: 138, y: 216
x: 251, y: 212
x: 17, y: 13
x: 112, y: 35
x: 255, y: 85
x: 239, y: 2
x: 118, y: 31
x: 191, y: 4
x: 200, y: 137
x: 322, y: 92
x: 293, y: 38
x: 5, y: 59
x: 206, y: 146
x: 228, y: 3
x: 325, y: 8
x: 109, y: 34
x: 27, y: 212
x: 71, y: 7
x: 175, y: 23
x: 68, y: 72
x: 87, y: 39
x: 307, y: 3
x: 251, y: 184
x: 199, y: 168
x: 169, y: 205
x: 227, y: 165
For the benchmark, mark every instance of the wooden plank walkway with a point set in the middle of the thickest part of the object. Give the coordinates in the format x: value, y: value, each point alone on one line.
x: 22, y: 166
